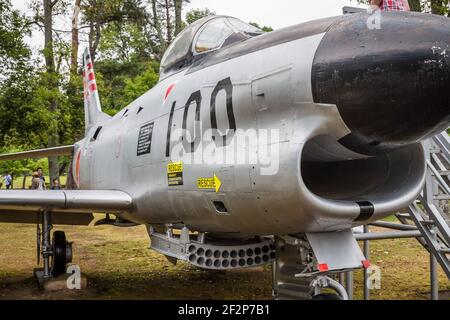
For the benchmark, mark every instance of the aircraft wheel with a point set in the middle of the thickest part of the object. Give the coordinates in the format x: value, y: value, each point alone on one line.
x: 62, y: 253
x: 326, y: 296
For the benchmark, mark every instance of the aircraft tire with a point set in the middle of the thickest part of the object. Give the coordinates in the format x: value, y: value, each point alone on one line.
x: 59, y: 253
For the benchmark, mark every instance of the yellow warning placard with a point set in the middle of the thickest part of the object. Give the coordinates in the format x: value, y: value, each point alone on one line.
x: 213, y: 183
x: 175, y: 167
x: 175, y: 174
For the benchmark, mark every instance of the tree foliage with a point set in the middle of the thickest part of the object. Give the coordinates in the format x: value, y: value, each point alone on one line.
x: 263, y: 28
x: 41, y: 98
x: 197, y: 14
x: 13, y: 51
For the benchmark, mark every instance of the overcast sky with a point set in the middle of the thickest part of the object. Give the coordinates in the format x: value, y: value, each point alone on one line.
x: 274, y: 13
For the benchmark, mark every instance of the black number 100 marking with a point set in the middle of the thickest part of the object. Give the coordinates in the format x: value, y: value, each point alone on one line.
x: 220, y: 140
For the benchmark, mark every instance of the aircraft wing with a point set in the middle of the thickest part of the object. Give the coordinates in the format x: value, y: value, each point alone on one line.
x: 72, y: 207
x: 41, y: 153
x: 67, y: 206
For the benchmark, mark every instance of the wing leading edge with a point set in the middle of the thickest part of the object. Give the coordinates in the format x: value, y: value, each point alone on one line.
x: 41, y: 153
x: 21, y: 206
x: 77, y: 200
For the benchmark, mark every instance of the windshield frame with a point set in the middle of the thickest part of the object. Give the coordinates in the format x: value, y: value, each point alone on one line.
x: 170, y: 67
x: 176, y: 65
x: 227, y: 22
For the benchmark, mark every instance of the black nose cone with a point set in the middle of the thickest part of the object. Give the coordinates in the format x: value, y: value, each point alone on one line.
x: 392, y: 84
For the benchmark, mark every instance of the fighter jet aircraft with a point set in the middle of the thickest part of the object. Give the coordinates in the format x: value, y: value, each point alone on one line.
x: 301, y: 133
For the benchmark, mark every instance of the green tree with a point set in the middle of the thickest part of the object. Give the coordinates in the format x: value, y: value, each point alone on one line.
x: 415, y: 5
x: 112, y: 77
x: 97, y: 14
x: 197, y: 14
x: 41, y: 95
x: 440, y: 7
x: 263, y: 28
x: 122, y: 42
x: 51, y: 78
x: 17, y: 80
x: 136, y: 87
x: 14, y: 53
x: 22, y: 167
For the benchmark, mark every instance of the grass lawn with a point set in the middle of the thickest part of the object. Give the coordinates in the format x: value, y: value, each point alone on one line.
x: 119, y: 265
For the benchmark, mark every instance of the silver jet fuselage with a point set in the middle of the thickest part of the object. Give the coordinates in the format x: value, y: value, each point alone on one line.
x: 270, y: 86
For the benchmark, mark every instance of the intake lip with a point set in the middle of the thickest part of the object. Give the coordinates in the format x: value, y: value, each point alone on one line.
x: 391, y: 85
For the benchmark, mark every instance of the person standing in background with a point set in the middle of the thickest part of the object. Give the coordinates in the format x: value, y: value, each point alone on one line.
x: 56, y: 185
x: 7, y: 178
x: 391, y: 5
x: 41, y: 177
x: 36, y: 181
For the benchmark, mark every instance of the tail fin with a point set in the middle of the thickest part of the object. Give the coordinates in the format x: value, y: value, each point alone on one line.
x: 92, y: 108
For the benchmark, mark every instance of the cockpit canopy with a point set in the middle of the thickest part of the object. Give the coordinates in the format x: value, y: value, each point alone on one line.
x: 202, y: 37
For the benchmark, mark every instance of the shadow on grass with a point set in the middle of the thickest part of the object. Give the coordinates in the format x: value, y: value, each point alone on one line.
x: 187, y: 284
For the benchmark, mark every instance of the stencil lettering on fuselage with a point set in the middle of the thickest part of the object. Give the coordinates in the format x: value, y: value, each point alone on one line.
x: 145, y: 139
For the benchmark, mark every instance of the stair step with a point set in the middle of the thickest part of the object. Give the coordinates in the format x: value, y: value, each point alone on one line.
x: 423, y: 215
x: 442, y: 197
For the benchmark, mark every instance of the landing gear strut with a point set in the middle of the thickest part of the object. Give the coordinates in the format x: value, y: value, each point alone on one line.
x: 326, y: 282
x: 57, y: 252
x: 294, y: 276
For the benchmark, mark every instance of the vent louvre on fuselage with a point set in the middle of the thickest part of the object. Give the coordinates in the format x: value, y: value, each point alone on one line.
x: 97, y: 132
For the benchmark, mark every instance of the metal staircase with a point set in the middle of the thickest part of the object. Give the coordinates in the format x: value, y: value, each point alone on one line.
x: 430, y: 211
